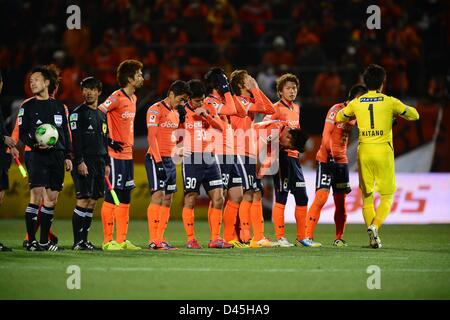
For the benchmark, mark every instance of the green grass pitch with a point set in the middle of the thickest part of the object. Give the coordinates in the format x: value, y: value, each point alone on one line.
x: 414, y: 264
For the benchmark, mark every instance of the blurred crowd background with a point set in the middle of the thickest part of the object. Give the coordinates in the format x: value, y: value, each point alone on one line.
x: 326, y: 43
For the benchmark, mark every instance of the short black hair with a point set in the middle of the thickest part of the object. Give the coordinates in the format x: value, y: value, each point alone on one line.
x: 374, y: 76
x: 178, y: 88
x: 356, y: 90
x: 91, y: 83
x: 44, y: 71
x: 299, y: 139
x: 196, y: 89
x: 211, y: 79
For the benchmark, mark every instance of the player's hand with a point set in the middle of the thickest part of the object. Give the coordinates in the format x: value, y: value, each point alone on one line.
x: 394, y: 121
x: 69, y: 166
x: 115, y: 145
x: 9, y: 142
x: 182, y: 112
x: 201, y: 112
x: 41, y: 146
x: 222, y: 82
x: 160, y: 171
x: 14, y: 152
x: 107, y: 170
x: 82, y: 169
x: 250, y: 83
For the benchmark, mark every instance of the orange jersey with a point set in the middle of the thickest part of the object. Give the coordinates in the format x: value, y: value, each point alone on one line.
x: 162, y: 121
x: 120, y: 110
x: 225, y: 107
x: 289, y: 112
x: 335, y: 137
x: 198, y: 129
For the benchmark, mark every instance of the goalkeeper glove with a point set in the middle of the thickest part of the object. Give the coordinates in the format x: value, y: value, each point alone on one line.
x: 223, y: 84
x: 115, y: 145
x: 160, y: 171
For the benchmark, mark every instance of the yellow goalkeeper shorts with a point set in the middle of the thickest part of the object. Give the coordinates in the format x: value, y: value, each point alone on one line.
x: 376, y: 168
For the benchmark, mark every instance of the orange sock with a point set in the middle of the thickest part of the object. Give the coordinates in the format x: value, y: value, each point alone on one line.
x: 300, y: 218
x: 188, y: 221
x: 122, y: 217
x: 164, y: 215
x: 256, y: 213
x: 314, y: 212
x: 244, y: 217
x: 215, y: 217
x: 153, y: 215
x: 108, y: 221
x: 278, y: 219
x: 229, y: 220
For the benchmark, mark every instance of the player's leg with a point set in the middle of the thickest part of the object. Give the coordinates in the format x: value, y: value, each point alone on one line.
x: 247, y: 178
x: 108, y: 211
x: 341, y: 187
x: 154, y: 208
x: 215, y: 216
x: 87, y: 221
x: 323, y: 184
x: 280, y: 181
x: 47, y: 217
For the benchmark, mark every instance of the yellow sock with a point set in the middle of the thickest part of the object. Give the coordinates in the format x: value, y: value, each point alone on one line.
x: 368, y: 209
x: 383, y: 209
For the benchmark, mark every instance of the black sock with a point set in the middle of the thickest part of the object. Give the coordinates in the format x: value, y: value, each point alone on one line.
x: 77, y: 224
x: 88, y: 213
x: 46, y: 223
x: 31, y: 221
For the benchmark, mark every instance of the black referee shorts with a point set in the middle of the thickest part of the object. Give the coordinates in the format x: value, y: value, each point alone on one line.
x: 46, y: 169
x: 91, y: 186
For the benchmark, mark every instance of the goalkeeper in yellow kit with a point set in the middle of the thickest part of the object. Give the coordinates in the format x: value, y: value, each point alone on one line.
x: 374, y: 114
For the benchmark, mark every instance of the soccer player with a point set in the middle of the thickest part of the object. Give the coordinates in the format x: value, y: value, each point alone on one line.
x: 162, y: 121
x: 220, y: 98
x: 120, y: 108
x: 250, y: 210
x: 46, y: 165
x: 374, y: 112
x: 200, y: 166
x: 290, y: 175
x: 90, y: 150
x: 5, y: 158
x: 332, y: 171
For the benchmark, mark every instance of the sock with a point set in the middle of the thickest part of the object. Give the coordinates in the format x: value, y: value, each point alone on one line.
x: 153, y: 212
x: 300, y: 218
x: 215, y: 216
x: 278, y: 219
x: 256, y: 214
x: 237, y: 229
x: 122, y: 219
x: 368, y: 209
x: 31, y: 221
x: 245, y: 218
x: 164, y: 214
x: 314, y: 212
x: 46, y: 222
x: 188, y: 222
x: 108, y: 221
x: 229, y: 220
x: 77, y: 224
x: 87, y: 221
x: 383, y: 209
x: 340, y: 215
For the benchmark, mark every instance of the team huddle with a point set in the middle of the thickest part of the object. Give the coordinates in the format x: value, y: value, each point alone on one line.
x: 210, y: 126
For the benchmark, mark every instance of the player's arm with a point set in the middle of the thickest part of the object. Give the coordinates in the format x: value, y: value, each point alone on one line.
x: 105, y: 144
x: 240, y: 108
x: 228, y: 108
x: 67, y: 134
x: 406, y: 112
x: 25, y: 128
x: 326, y: 135
x: 76, y: 124
x: 262, y: 103
x: 212, y: 117
x: 345, y: 114
x: 153, y: 116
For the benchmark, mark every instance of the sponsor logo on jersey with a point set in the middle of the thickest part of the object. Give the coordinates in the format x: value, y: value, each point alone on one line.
x: 152, y: 118
x: 195, y: 125
x: 300, y: 184
x: 375, y: 99
x: 168, y: 124
x: 128, y: 115
x: 153, y: 111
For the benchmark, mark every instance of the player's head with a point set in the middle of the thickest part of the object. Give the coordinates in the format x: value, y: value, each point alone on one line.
x: 55, y: 79
x: 212, y: 79
x: 91, y: 88
x: 238, y: 79
x: 40, y: 80
x: 294, y: 139
x: 178, y: 92
x: 197, y: 93
x: 356, y: 91
x: 287, y: 87
x: 129, y: 73
x: 374, y: 77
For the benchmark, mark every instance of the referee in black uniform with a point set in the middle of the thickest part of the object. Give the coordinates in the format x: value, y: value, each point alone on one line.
x: 46, y: 165
x: 90, y: 143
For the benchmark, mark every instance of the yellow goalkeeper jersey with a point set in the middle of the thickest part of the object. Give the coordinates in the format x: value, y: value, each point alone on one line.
x: 374, y: 112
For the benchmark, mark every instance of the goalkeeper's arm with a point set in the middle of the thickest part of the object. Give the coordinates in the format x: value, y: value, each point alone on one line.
x: 410, y: 114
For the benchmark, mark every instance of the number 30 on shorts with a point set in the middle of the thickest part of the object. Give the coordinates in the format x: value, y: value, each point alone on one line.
x: 191, y: 183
